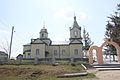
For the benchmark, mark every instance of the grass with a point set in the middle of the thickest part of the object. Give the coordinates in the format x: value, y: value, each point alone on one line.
x: 89, y: 76
x: 40, y: 72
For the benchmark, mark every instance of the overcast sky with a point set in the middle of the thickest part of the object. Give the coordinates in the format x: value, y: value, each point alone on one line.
x: 29, y: 16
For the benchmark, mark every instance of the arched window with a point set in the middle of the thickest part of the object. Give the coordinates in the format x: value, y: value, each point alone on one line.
x: 76, y: 52
x: 42, y: 35
x: 63, y: 52
x: 37, y: 52
x: 75, y: 33
x: 55, y: 53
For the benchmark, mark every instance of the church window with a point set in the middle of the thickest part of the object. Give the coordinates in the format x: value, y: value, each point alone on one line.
x: 42, y: 35
x: 76, y: 51
x: 29, y: 55
x: 37, y: 51
x: 24, y: 55
x: 75, y: 33
x: 55, y: 52
x: 63, y: 51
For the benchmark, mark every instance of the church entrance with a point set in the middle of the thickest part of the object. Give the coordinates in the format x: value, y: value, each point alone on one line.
x: 46, y: 54
x: 99, y: 52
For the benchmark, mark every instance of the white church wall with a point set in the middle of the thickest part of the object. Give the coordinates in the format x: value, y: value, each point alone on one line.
x: 38, y: 50
x: 74, y: 47
x: 26, y: 47
x: 64, y: 51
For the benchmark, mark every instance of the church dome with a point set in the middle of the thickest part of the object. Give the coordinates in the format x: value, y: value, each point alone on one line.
x: 43, y: 30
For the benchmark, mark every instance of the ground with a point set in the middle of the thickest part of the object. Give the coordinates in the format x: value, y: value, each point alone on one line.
x: 108, y: 75
x: 40, y: 72
x: 105, y: 75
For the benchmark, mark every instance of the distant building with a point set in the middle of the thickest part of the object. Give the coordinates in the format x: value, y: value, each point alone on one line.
x: 43, y: 47
x: 3, y: 57
x: 19, y: 57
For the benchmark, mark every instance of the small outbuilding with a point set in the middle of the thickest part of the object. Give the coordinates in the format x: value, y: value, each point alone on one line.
x: 3, y: 57
x: 19, y: 57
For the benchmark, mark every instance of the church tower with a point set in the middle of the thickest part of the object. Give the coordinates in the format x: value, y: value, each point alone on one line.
x: 75, y: 32
x: 44, y: 36
x: 76, y: 45
x: 43, y: 33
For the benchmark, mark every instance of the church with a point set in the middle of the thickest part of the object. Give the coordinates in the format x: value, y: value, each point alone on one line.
x: 43, y: 47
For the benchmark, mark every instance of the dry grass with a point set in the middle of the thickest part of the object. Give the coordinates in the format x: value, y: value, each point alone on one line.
x: 35, y: 72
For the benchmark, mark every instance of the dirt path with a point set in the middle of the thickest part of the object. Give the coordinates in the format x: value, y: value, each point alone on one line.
x: 106, y: 75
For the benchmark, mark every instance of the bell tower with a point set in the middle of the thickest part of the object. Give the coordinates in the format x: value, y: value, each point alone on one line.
x: 75, y: 31
x: 43, y: 33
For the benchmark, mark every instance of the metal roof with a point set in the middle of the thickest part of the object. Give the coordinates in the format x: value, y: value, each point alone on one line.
x: 60, y: 42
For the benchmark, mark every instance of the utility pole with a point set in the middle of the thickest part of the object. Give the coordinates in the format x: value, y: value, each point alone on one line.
x: 11, y: 43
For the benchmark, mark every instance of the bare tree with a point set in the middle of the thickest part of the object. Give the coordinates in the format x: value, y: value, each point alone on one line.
x: 5, y: 46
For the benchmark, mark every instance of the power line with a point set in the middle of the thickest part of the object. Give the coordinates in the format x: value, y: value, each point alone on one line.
x: 3, y: 23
